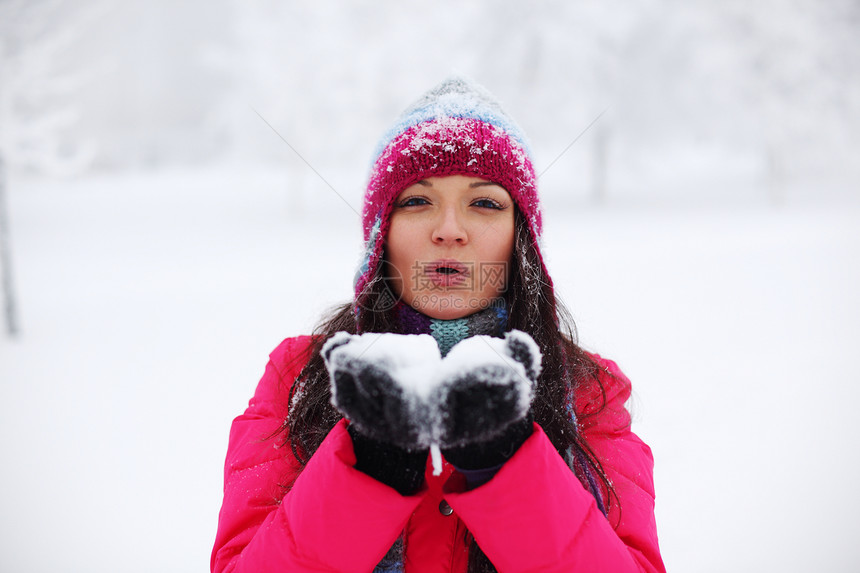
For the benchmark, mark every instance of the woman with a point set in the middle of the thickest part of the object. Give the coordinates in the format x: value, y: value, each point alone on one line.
x: 500, y: 445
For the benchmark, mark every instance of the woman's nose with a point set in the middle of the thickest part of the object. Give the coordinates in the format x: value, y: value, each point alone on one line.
x: 449, y: 228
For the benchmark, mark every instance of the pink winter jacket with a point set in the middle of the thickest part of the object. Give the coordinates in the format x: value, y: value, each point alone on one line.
x: 533, y: 515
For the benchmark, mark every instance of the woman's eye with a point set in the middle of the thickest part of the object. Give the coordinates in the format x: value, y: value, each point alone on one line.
x: 486, y: 203
x: 413, y: 201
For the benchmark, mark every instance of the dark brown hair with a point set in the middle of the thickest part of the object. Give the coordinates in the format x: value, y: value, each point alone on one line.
x: 533, y: 308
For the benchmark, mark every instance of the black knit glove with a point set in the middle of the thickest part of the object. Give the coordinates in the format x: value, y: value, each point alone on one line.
x: 487, y: 386
x: 387, y: 423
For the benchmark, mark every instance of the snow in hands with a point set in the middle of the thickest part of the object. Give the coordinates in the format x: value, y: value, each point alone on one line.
x: 397, y: 388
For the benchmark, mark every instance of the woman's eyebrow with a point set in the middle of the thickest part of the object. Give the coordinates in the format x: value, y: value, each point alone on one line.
x: 483, y: 184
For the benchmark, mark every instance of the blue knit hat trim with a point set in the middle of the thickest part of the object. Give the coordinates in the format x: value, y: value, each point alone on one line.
x: 462, y: 98
x: 364, y: 264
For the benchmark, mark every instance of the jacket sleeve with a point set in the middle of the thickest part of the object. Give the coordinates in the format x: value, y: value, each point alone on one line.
x: 278, y: 517
x: 536, y: 502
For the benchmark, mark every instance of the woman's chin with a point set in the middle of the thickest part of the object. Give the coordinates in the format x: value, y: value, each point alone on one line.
x: 449, y: 307
x: 446, y: 314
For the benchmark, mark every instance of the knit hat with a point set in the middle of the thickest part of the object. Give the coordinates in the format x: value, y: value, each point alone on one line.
x: 456, y: 128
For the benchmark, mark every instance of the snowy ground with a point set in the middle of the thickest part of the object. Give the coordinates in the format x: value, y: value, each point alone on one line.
x: 149, y: 304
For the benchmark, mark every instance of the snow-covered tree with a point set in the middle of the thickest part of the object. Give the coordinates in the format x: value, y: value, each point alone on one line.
x: 37, y: 113
x: 10, y: 307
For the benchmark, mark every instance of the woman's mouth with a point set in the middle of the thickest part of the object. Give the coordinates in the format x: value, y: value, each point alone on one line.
x: 446, y: 273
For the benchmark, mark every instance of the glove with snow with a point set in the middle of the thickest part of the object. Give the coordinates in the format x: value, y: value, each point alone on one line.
x: 401, y: 397
x: 373, y: 386
x: 487, y: 386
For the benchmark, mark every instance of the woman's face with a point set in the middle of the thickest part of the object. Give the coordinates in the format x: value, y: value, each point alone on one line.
x: 450, y: 244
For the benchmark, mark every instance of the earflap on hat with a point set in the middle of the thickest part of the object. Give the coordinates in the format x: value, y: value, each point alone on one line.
x: 456, y: 128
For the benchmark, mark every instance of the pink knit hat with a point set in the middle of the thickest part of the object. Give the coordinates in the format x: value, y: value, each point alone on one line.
x: 456, y: 128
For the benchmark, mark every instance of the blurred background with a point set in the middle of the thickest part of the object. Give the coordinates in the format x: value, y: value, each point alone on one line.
x: 178, y: 192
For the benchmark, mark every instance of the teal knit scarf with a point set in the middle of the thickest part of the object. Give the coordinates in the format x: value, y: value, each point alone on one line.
x: 492, y: 321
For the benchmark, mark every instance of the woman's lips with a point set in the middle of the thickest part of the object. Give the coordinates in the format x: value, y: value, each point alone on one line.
x: 446, y: 273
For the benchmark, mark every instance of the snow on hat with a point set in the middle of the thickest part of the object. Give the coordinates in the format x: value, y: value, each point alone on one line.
x: 456, y: 128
